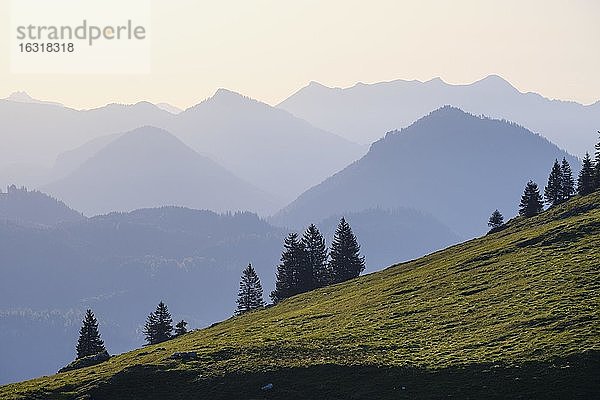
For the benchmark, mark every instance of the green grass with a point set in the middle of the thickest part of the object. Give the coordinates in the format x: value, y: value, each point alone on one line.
x: 512, y: 314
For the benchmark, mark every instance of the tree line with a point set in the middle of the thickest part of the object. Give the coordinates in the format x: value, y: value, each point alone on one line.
x: 305, y: 264
x: 560, y: 187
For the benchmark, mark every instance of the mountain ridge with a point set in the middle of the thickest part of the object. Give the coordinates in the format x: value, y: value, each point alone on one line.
x: 364, y: 112
x: 164, y: 172
x: 447, y: 151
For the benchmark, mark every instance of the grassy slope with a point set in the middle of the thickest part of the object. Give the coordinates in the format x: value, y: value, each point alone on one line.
x: 512, y: 314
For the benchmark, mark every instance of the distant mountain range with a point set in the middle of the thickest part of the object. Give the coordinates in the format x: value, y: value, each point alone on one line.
x: 23, y: 97
x: 36, y: 133
x: 149, y: 167
x: 365, y: 112
x: 263, y: 145
x: 450, y: 164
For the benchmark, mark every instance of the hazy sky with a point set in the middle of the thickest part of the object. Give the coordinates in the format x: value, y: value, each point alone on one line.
x: 268, y: 49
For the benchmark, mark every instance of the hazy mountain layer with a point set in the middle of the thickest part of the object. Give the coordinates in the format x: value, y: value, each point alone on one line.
x: 364, y: 112
x: 149, y: 167
x: 449, y: 164
x: 34, y: 133
x: 267, y: 147
x: 33, y: 207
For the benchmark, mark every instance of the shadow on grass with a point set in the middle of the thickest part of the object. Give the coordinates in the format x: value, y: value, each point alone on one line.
x: 575, y: 377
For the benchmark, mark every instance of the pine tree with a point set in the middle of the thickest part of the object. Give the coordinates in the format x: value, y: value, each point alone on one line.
x: 346, y: 262
x: 568, y: 183
x: 159, y: 325
x: 597, y: 166
x: 293, y: 259
x: 496, y: 220
x: 89, y: 342
x: 316, y: 257
x: 553, y: 193
x: 531, y: 201
x: 585, y: 181
x: 250, y: 295
x: 180, y: 328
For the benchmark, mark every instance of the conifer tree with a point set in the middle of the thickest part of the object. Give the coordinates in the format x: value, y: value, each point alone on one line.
x: 180, y: 328
x: 89, y: 342
x: 553, y: 193
x: 531, y: 201
x: 496, y: 220
x: 159, y: 325
x: 597, y: 166
x: 316, y: 257
x: 585, y: 181
x: 568, y: 183
x: 250, y: 295
x: 346, y: 262
x: 293, y: 259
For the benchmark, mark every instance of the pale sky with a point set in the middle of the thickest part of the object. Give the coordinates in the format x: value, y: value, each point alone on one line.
x: 268, y: 49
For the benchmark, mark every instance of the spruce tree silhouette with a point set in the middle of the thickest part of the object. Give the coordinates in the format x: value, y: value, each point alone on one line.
x: 250, y: 295
x: 159, y: 325
x: 89, y: 342
x: 568, y: 183
x: 292, y: 261
x: 585, y: 181
x: 316, y: 258
x: 531, y: 201
x: 496, y: 220
x: 346, y: 262
x: 553, y: 192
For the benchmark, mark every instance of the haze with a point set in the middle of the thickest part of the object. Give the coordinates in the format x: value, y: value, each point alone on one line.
x: 268, y: 49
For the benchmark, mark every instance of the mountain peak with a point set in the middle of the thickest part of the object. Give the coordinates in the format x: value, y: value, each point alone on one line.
x: 436, y: 80
x: 315, y: 84
x: 495, y: 82
x: 24, y: 97
x: 449, y: 109
x: 227, y: 97
x: 150, y: 167
x: 20, y: 96
x: 148, y: 133
x: 224, y: 99
x: 222, y: 92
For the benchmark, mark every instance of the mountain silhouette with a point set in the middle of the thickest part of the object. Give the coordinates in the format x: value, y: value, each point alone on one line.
x: 33, y: 207
x: 364, y: 112
x: 149, y: 167
x: 263, y: 145
x: 449, y: 164
x: 24, y: 97
x: 35, y: 133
